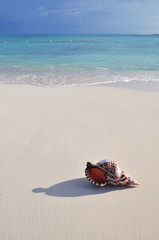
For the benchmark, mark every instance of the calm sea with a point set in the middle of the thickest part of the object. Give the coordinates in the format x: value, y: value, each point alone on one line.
x: 68, y: 60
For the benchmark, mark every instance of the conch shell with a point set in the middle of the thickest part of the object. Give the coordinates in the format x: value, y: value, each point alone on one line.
x: 107, y: 172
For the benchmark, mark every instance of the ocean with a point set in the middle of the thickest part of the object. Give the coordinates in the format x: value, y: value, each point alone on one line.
x: 70, y: 60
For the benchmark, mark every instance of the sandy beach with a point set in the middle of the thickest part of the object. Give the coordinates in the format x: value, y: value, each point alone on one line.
x: 48, y: 134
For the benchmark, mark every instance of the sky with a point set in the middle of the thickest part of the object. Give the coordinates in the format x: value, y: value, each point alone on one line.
x: 79, y: 16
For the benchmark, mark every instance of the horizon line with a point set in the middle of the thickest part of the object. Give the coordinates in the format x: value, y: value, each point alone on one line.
x: 22, y: 34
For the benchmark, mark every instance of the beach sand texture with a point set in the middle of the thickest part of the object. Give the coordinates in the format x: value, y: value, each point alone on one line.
x: 48, y: 134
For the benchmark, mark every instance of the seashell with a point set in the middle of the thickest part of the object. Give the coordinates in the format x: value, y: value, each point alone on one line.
x: 107, y: 172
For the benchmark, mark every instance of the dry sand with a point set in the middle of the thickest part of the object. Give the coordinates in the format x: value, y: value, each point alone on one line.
x: 46, y: 137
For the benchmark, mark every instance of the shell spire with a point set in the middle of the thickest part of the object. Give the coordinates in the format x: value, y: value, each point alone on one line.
x: 107, y: 172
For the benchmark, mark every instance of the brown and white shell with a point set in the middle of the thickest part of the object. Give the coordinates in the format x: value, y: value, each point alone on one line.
x: 107, y: 172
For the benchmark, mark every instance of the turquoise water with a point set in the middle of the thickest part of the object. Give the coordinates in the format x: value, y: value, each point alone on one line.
x: 60, y: 60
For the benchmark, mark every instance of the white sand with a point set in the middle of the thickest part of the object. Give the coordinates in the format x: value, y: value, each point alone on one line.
x: 46, y: 137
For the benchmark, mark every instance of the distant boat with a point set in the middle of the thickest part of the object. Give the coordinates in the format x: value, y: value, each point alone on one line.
x: 156, y: 34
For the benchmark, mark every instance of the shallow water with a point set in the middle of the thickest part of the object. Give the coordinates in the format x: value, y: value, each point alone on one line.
x: 68, y: 60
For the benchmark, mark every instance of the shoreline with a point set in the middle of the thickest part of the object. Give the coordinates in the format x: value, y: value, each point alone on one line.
x: 72, y: 77
x: 47, y: 136
x: 152, y: 86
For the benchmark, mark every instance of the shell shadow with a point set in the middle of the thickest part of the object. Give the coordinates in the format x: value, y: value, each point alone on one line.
x: 77, y: 188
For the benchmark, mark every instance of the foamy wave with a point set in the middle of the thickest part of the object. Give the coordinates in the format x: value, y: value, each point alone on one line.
x: 106, y: 83
x: 74, y: 77
x: 99, y: 68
